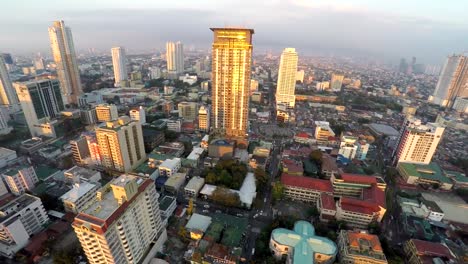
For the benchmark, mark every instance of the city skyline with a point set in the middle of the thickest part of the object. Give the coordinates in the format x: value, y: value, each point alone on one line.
x: 419, y: 25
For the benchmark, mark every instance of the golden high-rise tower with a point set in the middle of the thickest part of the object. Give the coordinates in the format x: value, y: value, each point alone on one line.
x: 232, y: 58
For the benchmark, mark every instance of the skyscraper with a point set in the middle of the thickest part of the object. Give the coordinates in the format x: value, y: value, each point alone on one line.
x: 119, y: 61
x: 453, y: 81
x: 417, y: 142
x: 336, y: 82
x: 63, y: 51
x: 123, y: 222
x: 286, y: 86
x: 204, y: 118
x: 8, y: 95
x: 41, y: 101
x: 175, y: 57
x: 231, y: 62
x: 121, y: 144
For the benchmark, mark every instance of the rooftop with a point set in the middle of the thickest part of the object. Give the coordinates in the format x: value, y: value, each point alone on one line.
x: 363, y: 244
x: 165, y: 202
x: 77, y: 191
x: 195, y: 183
x: 170, y: 163
x: 427, y: 248
x: 10, y: 209
x: 384, y: 129
x: 195, y: 154
x: 44, y: 171
x: 6, y: 152
x: 358, y: 206
x: 81, y: 172
x: 431, y: 171
x: 306, y: 182
x: 304, y: 242
x: 198, y: 222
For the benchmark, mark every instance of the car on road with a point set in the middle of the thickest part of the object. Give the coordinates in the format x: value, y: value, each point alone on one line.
x: 205, y: 211
x: 206, y: 206
x: 240, y: 215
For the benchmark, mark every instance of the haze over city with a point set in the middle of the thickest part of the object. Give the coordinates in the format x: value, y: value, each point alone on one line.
x: 428, y: 30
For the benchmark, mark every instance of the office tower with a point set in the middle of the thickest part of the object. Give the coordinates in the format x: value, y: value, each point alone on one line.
x: 119, y: 61
x: 175, y: 57
x: 231, y: 67
x: 4, y: 118
x: 8, y: 59
x: 121, y: 144
x: 461, y: 105
x: 106, y: 112
x: 417, y: 142
x: 285, y: 89
x: 403, y: 65
x: 20, y: 179
x: 8, y: 95
x: 204, y: 118
x: 188, y: 110
x: 63, y: 51
x: 21, y: 218
x: 39, y: 64
x: 453, y: 81
x: 41, y: 101
x: 138, y: 115
x: 123, y: 222
x: 336, y: 82
x: 80, y: 150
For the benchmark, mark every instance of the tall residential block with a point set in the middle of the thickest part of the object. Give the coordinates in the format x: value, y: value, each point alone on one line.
x: 286, y: 86
x: 20, y: 219
x: 20, y: 179
x: 417, y: 142
x: 106, y: 112
x: 336, y: 82
x: 122, y: 224
x: 63, y: 51
x: 188, y: 110
x: 175, y: 57
x: 453, y: 81
x: 80, y: 150
x: 8, y: 95
x: 121, y: 144
x: 4, y: 118
x: 204, y: 118
x: 119, y: 62
x: 41, y: 101
x: 231, y: 69
x: 138, y: 115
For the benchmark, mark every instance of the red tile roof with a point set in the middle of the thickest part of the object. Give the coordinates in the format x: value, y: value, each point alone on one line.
x: 358, y: 178
x: 302, y: 135
x: 328, y: 202
x: 375, y: 195
x: 427, y: 248
x: 358, y: 206
x: 306, y: 182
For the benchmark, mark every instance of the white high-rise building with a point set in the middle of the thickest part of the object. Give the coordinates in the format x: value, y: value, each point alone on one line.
x: 63, y: 51
x: 121, y: 144
x: 204, y: 118
x: 123, y: 223
x: 285, y: 89
x: 8, y: 95
x: 417, y: 142
x: 348, y: 147
x: 138, y: 115
x: 119, y: 61
x: 20, y: 179
x: 154, y: 72
x: 453, y: 81
x: 175, y: 57
x: 41, y: 101
x: 20, y: 219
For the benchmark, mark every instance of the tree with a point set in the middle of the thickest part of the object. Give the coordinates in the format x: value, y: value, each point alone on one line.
x: 62, y: 257
x: 316, y: 156
x: 170, y: 135
x: 277, y: 191
x: 226, y: 197
x: 190, y: 207
x: 313, y: 212
x: 261, y: 176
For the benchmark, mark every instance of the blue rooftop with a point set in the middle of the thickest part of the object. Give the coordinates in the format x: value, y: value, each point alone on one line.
x: 304, y: 242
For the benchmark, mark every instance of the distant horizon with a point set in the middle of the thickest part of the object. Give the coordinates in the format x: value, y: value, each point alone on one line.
x: 389, y: 30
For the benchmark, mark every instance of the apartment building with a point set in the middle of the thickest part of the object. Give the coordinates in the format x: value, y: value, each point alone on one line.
x: 106, y: 112
x: 20, y: 178
x: 77, y: 199
x: 304, y: 188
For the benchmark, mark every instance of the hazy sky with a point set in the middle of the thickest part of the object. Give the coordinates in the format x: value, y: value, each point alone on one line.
x: 427, y: 29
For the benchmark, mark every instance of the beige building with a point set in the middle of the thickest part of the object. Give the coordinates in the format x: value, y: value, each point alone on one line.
x: 106, y: 112
x: 286, y: 86
x: 360, y: 247
x: 188, y: 110
x: 7, y: 92
x: 323, y: 131
x: 63, y: 51
x: 175, y: 57
x: 122, y: 224
x: 336, y: 82
x: 204, y: 115
x: 119, y: 62
x: 20, y: 179
x: 121, y: 144
x: 417, y: 142
x: 78, y: 198
x: 231, y: 63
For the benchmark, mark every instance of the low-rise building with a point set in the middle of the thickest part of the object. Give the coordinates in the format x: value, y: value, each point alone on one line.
x: 422, y: 252
x: 167, y: 206
x: 7, y: 156
x: 303, y: 138
x: 170, y: 166
x: 20, y: 178
x: 221, y: 148
x: 175, y: 149
x: 304, y: 188
x: 196, y: 154
x: 302, y: 245
x: 76, y: 200
x: 174, y: 182
x: 19, y: 220
x: 360, y: 247
x: 329, y: 166
x: 194, y: 186
x: 425, y: 174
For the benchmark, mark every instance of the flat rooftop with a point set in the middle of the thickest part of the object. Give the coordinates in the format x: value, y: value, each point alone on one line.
x: 6, y: 152
x: 78, y: 191
x: 431, y: 171
x: 10, y: 209
x: 165, y: 202
x: 384, y: 129
x: 81, y: 172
